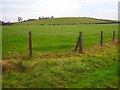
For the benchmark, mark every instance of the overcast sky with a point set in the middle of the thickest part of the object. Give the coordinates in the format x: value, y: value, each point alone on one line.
x: 11, y: 9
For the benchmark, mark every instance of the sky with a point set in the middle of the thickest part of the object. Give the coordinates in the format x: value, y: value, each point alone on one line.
x: 10, y: 10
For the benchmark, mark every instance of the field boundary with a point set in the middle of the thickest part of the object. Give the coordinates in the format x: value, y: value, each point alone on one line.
x: 52, y: 55
x: 80, y: 41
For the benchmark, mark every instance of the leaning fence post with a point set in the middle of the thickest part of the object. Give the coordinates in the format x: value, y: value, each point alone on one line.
x: 80, y: 43
x: 77, y: 44
x: 30, y: 44
x: 101, y: 38
x: 113, y: 36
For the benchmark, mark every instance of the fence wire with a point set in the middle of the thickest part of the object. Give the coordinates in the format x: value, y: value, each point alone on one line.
x: 49, y: 42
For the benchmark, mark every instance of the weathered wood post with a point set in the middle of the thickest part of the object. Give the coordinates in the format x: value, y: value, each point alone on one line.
x: 80, y: 43
x: 113, y: 36
x: 77, y: 44
x: 30, y: 44
x: 101, y: 38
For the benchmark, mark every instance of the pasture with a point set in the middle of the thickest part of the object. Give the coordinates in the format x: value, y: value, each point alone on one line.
x: 65, y: 21
x: 54, y: 64
x: 52, y: 38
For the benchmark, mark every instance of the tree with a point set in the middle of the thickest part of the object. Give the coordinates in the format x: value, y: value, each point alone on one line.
x: 39, y: 18
x: 19, y: 19
x: 52, y: 16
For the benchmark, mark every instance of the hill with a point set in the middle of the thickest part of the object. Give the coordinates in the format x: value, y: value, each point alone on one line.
x: 65, y: 21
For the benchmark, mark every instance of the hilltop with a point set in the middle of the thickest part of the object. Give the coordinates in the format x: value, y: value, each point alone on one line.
x: 66, y: 21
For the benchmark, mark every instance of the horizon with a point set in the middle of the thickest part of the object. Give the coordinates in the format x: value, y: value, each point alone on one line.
x: 32, y: 9
x: 57, y: 17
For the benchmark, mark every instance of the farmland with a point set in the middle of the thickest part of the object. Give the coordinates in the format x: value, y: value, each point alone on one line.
x: 65, y: 21
x: 52, y: 38
x: 54, y: 64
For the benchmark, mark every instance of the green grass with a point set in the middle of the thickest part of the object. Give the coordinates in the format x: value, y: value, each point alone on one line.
x: 96, y: 68
x: 54, y: 64
x: 64, y: 21
x: 52, y: 38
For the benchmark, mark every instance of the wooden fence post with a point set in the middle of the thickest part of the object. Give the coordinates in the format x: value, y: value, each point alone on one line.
x: 80, y: 43
x: 77, y: 44
x: 30, y: 44
x: 113, y: 36
x: 101, y: 38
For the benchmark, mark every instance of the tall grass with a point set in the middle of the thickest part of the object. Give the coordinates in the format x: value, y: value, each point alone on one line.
x: 96, y: 68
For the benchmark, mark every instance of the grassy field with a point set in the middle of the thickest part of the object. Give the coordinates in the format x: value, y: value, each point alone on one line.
x: 96, y: 68
x: 52, y: 38
x: 64, y: 21
x: 54, y: 64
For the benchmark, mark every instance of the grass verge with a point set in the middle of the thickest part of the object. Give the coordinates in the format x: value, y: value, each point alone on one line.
x: 96, y: 68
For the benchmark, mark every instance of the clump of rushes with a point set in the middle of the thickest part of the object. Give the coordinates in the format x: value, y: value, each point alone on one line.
x: 20, y: 67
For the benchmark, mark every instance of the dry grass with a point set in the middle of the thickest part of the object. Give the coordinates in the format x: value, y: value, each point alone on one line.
x: 96, y: 64
x: 89, y: 51
x: 7, y: 64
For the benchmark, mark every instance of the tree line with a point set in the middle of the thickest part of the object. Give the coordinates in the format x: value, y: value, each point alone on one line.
x: 19, y: 19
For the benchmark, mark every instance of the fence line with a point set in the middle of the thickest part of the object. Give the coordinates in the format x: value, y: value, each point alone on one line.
x: 79, y: 43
